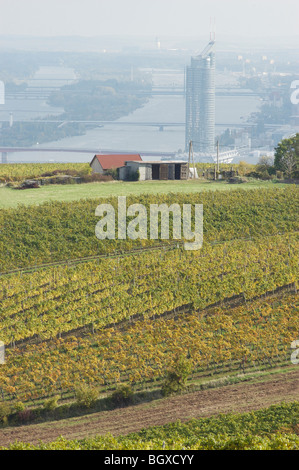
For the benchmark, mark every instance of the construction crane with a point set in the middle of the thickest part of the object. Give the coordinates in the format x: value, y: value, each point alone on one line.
x: 208, y: 49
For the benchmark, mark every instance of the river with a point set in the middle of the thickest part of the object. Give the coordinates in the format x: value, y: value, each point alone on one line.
x: 124, y: 138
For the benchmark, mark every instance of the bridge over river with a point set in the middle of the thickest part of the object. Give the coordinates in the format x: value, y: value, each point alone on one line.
x: 159, y: 125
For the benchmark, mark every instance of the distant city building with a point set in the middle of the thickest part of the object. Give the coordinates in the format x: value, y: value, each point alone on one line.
x: 2, y: 92
x: 200, y: 101
x: 243, y: 140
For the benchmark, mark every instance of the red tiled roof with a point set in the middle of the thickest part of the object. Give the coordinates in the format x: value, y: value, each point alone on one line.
x: 116, y: 161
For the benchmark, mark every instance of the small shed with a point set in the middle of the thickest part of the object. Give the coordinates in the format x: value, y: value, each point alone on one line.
x: 155, y: 170
x: 102, y: 163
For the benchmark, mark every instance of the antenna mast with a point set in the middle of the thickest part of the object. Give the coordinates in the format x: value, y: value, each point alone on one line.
x: 213, y: 29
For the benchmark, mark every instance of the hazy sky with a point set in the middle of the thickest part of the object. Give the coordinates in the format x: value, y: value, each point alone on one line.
x: 149, y: 17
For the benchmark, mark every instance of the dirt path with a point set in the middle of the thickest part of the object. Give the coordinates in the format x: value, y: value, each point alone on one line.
x: 233, y: 398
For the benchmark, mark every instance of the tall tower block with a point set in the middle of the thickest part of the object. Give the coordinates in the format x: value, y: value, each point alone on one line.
x: 200, y: 101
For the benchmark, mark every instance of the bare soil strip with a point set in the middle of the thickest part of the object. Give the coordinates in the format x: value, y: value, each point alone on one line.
x: 242, y: 397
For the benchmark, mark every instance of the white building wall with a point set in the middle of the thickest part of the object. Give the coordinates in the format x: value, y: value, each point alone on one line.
x: 142, y: 173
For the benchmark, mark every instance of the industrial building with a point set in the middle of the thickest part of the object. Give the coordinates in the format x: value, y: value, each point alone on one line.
x: 154, y: 170
x: 200, y: 101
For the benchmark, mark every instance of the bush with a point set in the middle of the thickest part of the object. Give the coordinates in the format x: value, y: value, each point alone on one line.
x: 113, y: 172
x: 279, y: 174
x: 86, y: 396
x: 96, y: 177
x: 4, y: 412
x: 177, y: 375
x: 237, y: 180
x: 133, y: 176
x: 122, y: 396
x: 244, y: 168
x: 19, y: 406
x: 261, y: 175
x: 25, y: 416
x: 51, y: 403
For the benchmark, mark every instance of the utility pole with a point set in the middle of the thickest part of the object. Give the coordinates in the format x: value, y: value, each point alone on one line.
x: 188, y: 169
x: 191, y: 153
x: 217, y: 159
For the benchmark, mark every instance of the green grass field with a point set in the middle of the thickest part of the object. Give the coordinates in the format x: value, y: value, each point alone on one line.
x: 12, y: 197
